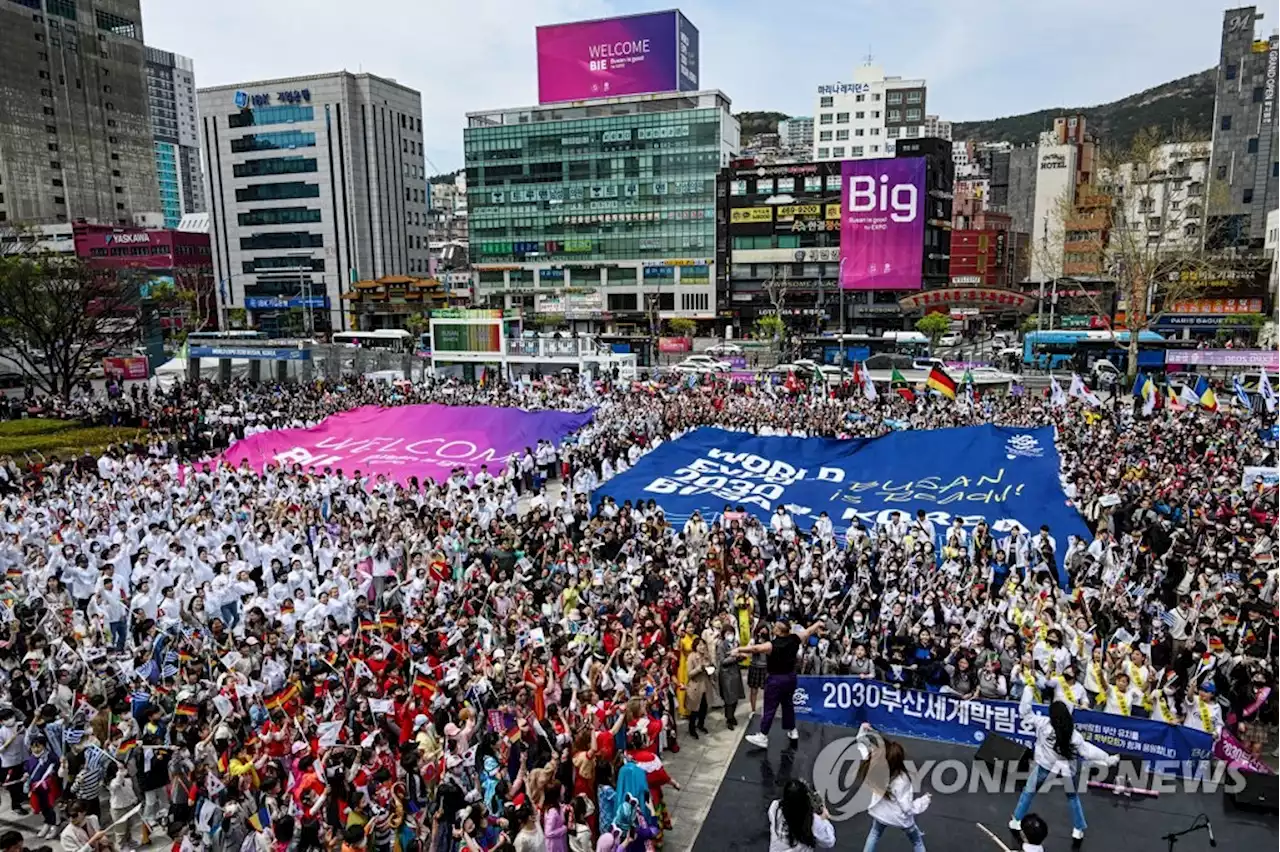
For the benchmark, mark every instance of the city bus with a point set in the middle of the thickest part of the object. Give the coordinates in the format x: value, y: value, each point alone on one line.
x: 390, y: 339
x: 1079, y: 350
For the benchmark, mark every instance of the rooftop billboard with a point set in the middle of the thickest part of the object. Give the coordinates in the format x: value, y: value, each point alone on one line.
x: 634, y: 55
x: 882, y: 230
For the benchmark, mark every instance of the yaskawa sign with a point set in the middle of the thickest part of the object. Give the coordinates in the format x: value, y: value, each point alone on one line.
x: 141, y: 237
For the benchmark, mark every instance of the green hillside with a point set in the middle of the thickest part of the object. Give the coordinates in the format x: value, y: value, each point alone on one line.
x: 754, y: 123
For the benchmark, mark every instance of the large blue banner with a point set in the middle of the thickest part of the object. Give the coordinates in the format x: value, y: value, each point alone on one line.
x: 1005, y: 475
x: 891, y: 709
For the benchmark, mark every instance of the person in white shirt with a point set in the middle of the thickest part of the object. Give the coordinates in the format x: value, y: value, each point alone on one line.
x: 1058, y: 752
x: 793, y: 825
x: 893, y: 800
x: 1203, y: 712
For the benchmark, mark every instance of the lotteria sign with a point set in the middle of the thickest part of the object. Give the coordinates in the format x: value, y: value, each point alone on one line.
x: 639, y: 54
x: 882, y: 224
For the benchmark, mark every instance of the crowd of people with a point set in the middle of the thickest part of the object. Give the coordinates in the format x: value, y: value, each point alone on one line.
x: 296, y: 660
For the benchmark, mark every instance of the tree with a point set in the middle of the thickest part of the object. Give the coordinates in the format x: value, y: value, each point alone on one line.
x: 681, y: 327
x: 776, y: 288
x: 1030, y: 323
x: 58, y: 315
x: 417, y: 323
x: 770, y: 327
x: 933, y: 326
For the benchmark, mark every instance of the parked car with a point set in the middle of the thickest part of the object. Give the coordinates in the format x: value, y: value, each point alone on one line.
x: 724, y: 349
x: 706, y: 361
x: 951, y: 339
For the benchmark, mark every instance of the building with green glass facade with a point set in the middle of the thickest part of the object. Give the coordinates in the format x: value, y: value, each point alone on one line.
x: 603, y: 210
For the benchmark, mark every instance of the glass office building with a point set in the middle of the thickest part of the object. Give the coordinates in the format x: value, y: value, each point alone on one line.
x: 602, y: 210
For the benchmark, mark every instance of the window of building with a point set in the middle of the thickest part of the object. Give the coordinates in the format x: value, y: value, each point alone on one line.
x: 764, y: 186
x: 786, y: 185
x: 284, y: 240
x: 59, y: 199
x: 860, y: 98
x: 833, y: 183
x: 843, y: 135
x: 876, y: 96
x: 842, y: 118
x: 859, y: 115
x: 893, y: 132
x: 895, y: 115
x: 271, y: 191
x: 282, y: 114
x: 859, y: 132
x: 837, y: 151
x: 1226, y: 122
x: 856, y: 151
x: 737, y: 187
x: 115, y: 24
x: 49, y: 128
x: 824, y: 153
x: 875, y: 149
x: 54, y: 164
x: 1259, y: 94
x: 825, y: 135
x: 826, y: 102
x: 825, y: 118
x: 1247, y: 196
x: 1222, y: 172
x: 813, y: 183
x: 875, y: 131
x: 895, y: 97
x: 44, y: 75
x: 1253, y: 145
x: 273, y: 141
x: 912, y: 132
x: 914, y: 97
x: 875, y: 113
x: 274, y: 166
x: 913, y: 115
x: 1232, y: 71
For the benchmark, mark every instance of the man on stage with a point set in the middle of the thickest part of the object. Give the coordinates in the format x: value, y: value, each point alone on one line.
x: 782, y: 652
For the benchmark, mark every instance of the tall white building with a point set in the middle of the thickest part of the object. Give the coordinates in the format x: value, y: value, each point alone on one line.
x: 1055, y: 191
x: 796, y: 133
x: 313, y: 183
x: 864, y: 118
x: 171, y: 100
x: 936, y: 128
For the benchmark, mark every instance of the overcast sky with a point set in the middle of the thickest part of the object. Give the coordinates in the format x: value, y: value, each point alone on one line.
x: 981, y: 60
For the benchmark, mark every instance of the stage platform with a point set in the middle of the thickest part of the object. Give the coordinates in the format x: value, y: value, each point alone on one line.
x: 738, y: 816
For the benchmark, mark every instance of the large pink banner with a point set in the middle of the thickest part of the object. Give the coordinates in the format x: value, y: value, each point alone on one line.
x: 426, y: 441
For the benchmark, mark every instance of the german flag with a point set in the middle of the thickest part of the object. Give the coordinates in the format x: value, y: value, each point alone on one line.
x: 513, y: 734
x: 942, y: 383
x: 1215, y: 645
x: 424, y: 686
x: 368, y: 626
x: 251, y: 741
x: 331, y: 658
x: 224, y: 762
x: 126, y: 747
x: 185, y: 656
x: 186, y: 709
x: 1230, y: 619
x: 283, y: 697
x: 389, y: 621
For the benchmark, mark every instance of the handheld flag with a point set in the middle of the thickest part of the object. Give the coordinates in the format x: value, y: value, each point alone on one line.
x: 1242, y: 395
x: 942, y: 383
x: 1207, y: 397
x: 1267, y: 392
x: 899, y: 383
x: 1080, y: 391
x: 1057, y: 397
x: 261, y: 821
x: 868, y: 386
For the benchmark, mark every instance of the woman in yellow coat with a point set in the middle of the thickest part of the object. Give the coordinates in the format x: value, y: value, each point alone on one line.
x: 684, y: 645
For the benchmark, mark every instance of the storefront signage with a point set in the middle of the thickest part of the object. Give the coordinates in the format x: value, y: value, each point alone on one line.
x: 787, y: 212
x: 1269, y: 88
x: 267, y: 303
x: 1053, y: 161
x: 833, y: 212
x: 1253, y: 279
x: 814, y: 225
x: 616, y: 136
x: 259, y: 353
x: 1266, y: 358
x: 751, y: 214
x: 662, y: 132
x: 1216, y: 306
x: 980, y: 296
x: 966, y: 279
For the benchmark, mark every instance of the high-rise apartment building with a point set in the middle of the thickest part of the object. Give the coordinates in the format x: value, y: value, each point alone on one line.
x: 313, y: 183
x: 796, y: 133
x: 864, y: 118
x: 1244, y: 169
x: 75, y: 128
x: 171, y: 98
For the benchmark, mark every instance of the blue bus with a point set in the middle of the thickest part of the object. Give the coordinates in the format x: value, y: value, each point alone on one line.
x: 1078, y: 350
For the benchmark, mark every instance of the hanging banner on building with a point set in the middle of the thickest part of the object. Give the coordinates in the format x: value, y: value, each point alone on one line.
x: 897, y: 711
x: 882, y: 232
x: 424, y: 441
x: 130, y: 368
x: 1004, y: 475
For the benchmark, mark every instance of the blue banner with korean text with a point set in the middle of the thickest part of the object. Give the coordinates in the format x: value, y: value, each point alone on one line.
x: 1007, y: 476
x: 894, y: 710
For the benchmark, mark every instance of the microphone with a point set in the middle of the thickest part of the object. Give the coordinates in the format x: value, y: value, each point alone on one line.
x: 1208, y: 826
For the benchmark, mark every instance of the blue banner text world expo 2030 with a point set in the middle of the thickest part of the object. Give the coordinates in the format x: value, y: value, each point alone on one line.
x: 891, y: 709
x: 1007, y: 476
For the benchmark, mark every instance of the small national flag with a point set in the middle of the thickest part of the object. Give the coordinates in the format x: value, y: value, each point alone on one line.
x: 1242, y: 395
x: 261, y: 821
x: 126, y: 747
x: 185, y: 656
x: 13, y: 572
x: 368, y: 625
x: 224, y: 763
x: 1215, y: 645
x: 513, y: 734
x: 186, y: 709
x: 424, y: 686
x: 1169, y: 618
x: 1230, y: 619
x: 389, y: 621
x: 899, y: 383
x: 942, y: 383
x: 1208, y: 399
